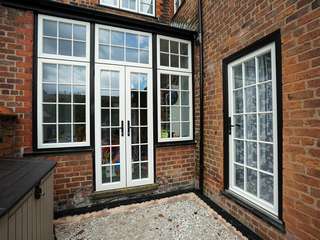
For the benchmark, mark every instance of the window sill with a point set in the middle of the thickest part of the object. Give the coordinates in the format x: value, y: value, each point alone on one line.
x: 273, y: 221
x: 177, y: 143
x: 58, y: 151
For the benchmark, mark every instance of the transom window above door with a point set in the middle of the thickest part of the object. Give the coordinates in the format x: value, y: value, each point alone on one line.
x: 120, y: 46
x: 253, y: 144
x: 146, y: 7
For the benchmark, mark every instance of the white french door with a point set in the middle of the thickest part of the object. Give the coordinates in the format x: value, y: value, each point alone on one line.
x: 123, y: 127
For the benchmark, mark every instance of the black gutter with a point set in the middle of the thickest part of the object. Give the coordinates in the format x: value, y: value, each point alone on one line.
x: 201, y: 85
x: 98, y: 16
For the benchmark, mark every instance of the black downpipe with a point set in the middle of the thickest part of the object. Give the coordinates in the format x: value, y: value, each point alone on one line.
x: 201, y: 150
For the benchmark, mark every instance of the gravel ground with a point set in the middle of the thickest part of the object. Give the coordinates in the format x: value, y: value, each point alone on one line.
x: 180, y: 217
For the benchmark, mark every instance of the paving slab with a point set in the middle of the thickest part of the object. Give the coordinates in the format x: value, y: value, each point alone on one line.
x: 181, y: 217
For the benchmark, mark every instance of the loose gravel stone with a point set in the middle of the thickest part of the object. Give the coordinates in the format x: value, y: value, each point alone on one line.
x: 180, y: 217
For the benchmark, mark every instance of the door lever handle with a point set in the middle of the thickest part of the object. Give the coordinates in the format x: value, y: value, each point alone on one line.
x: 129, y: 128
x: 122, y: 128
x: 231, y: 125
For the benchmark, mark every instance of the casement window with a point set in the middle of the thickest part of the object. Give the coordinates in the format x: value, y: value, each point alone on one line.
x: 174, y: 54
x: 177, y: 4
x: 63, y: 85
x: 253, y: 143
x: 146, y: 7
x: 175, y: 113
x: 121, y: 46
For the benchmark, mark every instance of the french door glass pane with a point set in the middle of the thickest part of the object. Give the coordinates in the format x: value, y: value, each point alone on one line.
x: 265, y: 97
x: 139, y: 130
x: 110, y: 123
x: 239, y: 128
x: 237, y: 73
x: 239, y: 151
x: 264, y: 63
x: 251, y: 126
x: 252, y: 181
x: 250, y: 96
x: 266, y: 157
x: 265, y: 126
x: 239, y: 176
x: 251, y: 154
x: 250, y: 72
x: 238, y: 101
x: 266, y: 187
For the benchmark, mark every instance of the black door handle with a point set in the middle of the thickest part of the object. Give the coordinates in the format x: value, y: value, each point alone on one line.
x: 129, y: 128
x: 122, y: 128
x: 231, y: 125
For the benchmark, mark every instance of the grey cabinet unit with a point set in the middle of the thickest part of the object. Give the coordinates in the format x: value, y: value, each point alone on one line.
x: 26, y: 199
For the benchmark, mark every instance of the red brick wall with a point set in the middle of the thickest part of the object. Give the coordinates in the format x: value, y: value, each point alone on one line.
x: 73, y: 179
x: 16, y: 34
x: 230, y: 25
x: 187, y: 15
x: 175, y: 167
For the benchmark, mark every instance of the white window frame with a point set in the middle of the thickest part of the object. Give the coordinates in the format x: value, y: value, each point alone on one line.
x: 41, y: 54
x: 137, y: 10
x: 189, y: 69
x: 175, y: 139
x: 121, y: 63
x: 61, y: 59
x: 244, y: 195
x: 40, y: 106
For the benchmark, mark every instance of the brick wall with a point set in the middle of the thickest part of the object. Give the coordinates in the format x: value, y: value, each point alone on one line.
x: 16, y: 34
x: 73, y: 179
x: 175, y: 167
x: 187, y: 15
x: 230, y: 25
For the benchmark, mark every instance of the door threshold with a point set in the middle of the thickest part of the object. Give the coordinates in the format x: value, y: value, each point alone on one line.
x: 123, y: 191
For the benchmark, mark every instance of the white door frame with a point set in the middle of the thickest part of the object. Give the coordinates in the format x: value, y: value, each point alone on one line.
x: 99, y: 185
